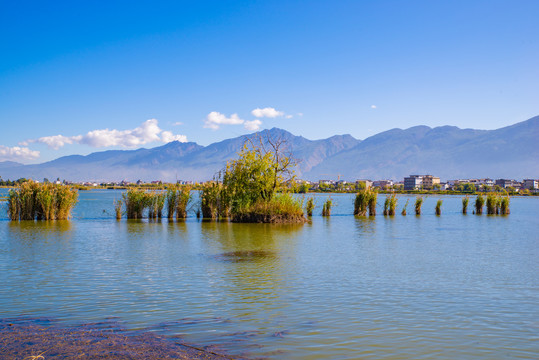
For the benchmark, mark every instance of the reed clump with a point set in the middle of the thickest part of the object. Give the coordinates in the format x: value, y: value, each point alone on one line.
x: 361, y: 203
x: 213, y: 200
x: 418, y: 204
x: 479, y: 202
x: 372, y: 203
x: 35, y: 201
x: 183, y: 200
x: 438, y: 208
x: 392, y: 205
x: 155, y: 201
x: 172, y: 200
x: 326, y: 208
x: 310, y: 207
x: 282, y: 208
x: 118, y: 209
x: 465, y: 201
x: 504, y: 206
x: 403, y: 212
x: 135, y: 201
x: 492, y: 203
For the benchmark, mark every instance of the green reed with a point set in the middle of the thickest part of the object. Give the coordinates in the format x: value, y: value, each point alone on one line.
x: 326, y: 208
x: 418, y: 204
x: 479, y: 202
x: 310, y: 206
x: 372, y: 203
x: 403, y: 212
x: 465, y: 201
x: 183, y: 198
x: 35, y: 201
x: 504, y: 206
x: 438, y: 208
x: 361, y: 202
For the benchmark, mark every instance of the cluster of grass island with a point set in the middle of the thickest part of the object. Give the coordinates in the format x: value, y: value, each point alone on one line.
x: 253, y: 189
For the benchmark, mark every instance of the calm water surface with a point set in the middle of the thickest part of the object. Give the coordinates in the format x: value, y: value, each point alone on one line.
x: 407, y: 287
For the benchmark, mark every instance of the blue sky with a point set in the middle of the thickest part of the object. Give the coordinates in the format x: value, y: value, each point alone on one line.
x: 78, y: 77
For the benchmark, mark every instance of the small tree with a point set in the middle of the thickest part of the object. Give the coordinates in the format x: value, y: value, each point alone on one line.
x: 250, y: 183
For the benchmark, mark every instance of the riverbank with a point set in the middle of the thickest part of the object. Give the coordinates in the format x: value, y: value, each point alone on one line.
x: 41, y: 339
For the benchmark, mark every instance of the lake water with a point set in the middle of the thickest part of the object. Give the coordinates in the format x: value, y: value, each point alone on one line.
x: 446, y: 287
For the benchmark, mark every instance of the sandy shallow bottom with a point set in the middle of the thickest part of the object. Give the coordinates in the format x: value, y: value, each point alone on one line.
x: 42, y: 339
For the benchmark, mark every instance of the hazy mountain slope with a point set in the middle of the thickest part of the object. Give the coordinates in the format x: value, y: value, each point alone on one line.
x: 446, y: 151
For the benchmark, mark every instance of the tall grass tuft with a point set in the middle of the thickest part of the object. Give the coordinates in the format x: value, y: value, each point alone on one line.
x: 361, y: 202
x: 372, y: 203
x: 403, y: 212
x: 282, y: 208
x: 160, y: 199
x: 386, y: 206
x: 392, y: 205
x: 438, y: 208
x: 310, y: 207
x: 504, y: 206
x: 491, y: 204
x: 479, y: 202
x: 172, y: 200
x: 183, y: 199
x: 135, y: 200
x: 118, y: 209
x: 465, y: 201
x: 213, y: 203
x: 31, y: 201
x: 418, y: 204
x: 326, y: 208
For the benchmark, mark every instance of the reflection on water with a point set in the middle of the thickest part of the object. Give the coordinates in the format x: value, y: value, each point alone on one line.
x: 452, y: 286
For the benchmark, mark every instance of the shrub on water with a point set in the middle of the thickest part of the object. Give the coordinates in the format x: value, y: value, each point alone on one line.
x: 479, y: 202
x: 418, y: 204
x: 326, y: 209
x: 310, y: 207
x: 386, y: 206
x: 465, y: 201
x: 372, y: 203
x: 438, y: 208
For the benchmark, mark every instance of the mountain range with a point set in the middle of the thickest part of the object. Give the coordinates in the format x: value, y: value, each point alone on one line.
x: 447, y: 151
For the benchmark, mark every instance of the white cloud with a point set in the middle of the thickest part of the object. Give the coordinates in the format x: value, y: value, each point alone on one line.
x: 252, y: 125
x: 177, y: 123
x: 215, y: 119
x: 300, y: 114
x: 17, y: 153
x: 148, y: 132
x: 55, y: 142
x: 288, y: 117
x: 167, y: 136
x: 373, y: 106
x: 267, y: 112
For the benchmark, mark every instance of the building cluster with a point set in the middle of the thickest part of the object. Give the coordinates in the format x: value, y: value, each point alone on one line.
x: 425, y: 182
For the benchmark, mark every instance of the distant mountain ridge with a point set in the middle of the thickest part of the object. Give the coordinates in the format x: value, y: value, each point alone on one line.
x: 447, y: 151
